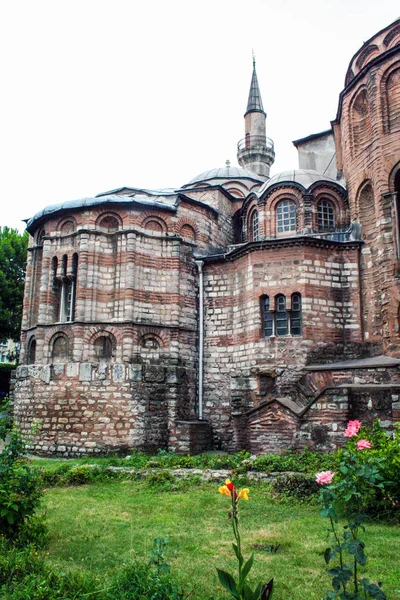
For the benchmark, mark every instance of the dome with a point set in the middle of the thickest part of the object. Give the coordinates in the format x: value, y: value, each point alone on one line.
x: 225, y: 173
x: 302, y: 177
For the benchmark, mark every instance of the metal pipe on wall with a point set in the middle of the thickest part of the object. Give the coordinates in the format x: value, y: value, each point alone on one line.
x: 200, y: 264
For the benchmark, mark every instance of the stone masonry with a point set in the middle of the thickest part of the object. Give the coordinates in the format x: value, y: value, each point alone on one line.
x: 297, y: 275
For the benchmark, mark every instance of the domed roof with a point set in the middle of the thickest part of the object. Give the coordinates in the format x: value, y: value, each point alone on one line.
x: 303, y: 177
x: 225, y: 173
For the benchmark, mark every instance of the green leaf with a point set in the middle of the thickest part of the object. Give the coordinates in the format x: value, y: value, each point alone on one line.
x: 239, y: 556
x: 327, y: 555
x: 228, y: 582
x: 246, y: 569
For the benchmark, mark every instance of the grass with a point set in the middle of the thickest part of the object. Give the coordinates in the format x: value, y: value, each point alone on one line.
x: 96, y: 526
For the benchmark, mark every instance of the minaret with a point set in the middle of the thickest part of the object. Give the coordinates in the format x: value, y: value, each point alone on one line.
x: 255, y: 151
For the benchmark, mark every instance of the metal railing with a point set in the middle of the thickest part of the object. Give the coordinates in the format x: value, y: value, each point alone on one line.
x: 250, y: 142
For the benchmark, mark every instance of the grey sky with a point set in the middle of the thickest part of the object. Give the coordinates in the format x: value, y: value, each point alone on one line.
x: 99, y: 94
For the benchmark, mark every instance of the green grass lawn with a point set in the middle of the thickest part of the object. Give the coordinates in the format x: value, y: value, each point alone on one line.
x: 98, y: 525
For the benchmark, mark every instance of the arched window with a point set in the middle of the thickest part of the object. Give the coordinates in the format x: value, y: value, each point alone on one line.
x: 254, y: 227
x: 268, y: 318
x: 286, y: 217
x: 326, y: 216
x: 54, y: 266
x: 65, y: 287
x: 60, y: 350
x: 295, y: 315
x: 281, y: 315
x: 103, y: 348
x: 31, y: 354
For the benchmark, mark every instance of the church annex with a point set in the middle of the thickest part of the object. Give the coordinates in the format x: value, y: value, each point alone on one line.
x: 238, y: 311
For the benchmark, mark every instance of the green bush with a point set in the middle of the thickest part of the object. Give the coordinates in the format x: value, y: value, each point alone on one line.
x: 20, y: 487
x: 385, y: 452
x: 296, y: 485
x: 25, y: 574
x: 305, y: 461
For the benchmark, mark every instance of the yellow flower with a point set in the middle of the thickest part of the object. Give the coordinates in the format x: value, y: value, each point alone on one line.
x: 224, y: 490
x: 244, y: 494
x: 227, y: 488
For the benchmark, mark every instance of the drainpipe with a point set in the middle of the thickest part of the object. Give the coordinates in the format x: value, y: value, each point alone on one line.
x: 200, y: 264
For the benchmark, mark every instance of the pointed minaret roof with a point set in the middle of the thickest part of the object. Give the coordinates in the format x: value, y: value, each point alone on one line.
x: 254, y: 103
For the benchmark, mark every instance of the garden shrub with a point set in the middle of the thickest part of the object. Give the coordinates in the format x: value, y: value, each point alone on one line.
x: 385, y: 453
x: 78, y: 475
x: 20, y: 487
x: 26, y: 574
x: 296, y: 485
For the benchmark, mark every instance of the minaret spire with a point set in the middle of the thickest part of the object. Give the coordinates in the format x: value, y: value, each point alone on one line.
x: 255, y: 151
x: 254, y: 102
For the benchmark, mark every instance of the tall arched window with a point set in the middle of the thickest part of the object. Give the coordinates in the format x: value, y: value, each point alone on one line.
x: 286, y: 217
x: 268, y: 318
x: 295, y: 315
x: 31, y: 354
x: 281, y: 315
x: 65, y: 287
x: 254, y: 226
x: 326, y: 216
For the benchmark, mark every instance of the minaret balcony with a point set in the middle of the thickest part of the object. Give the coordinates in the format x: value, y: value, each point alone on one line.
x: 259, y: 143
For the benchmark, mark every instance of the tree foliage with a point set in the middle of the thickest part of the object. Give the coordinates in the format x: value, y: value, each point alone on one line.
x: 13, y: 247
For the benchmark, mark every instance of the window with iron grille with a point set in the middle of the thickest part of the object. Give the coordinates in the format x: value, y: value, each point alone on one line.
x: 268, y: 318
x: 295, y: 315
x: 326, y: 216
x: 286, y: 216
x: 281, y: 316
x: 254, y: 226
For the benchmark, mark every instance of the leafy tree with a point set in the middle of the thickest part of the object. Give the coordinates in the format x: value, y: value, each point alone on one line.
x: 13, y: 247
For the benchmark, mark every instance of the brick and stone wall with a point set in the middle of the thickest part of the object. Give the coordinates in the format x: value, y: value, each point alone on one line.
x: 82, y: 408
x: 243, y: 368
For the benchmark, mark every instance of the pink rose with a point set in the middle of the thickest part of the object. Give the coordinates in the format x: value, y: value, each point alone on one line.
x: 353, y: 427
x: 363, y: 445
x: 324, y: 477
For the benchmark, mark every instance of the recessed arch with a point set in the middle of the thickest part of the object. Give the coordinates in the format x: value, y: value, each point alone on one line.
x: 66, y: 226
x: 360, y: 120
x: 393, y: 37
x: 188, y: 232
x: 150, y: 341
x: 155, y: 224
x: 59, y: 348
x: 366, y: 55
x: 109, y: 222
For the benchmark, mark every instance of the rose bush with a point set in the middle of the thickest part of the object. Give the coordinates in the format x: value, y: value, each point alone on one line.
x: 358, y: 482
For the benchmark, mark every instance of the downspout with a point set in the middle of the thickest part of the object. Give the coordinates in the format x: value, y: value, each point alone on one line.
x: 200, y: 264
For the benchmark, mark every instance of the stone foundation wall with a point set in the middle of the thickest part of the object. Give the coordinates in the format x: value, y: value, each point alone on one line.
x: 79, y: 408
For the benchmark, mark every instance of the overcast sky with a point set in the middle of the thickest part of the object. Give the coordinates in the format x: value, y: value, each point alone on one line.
x: 100, y: 94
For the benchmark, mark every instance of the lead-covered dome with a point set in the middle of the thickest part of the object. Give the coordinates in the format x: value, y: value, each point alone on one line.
x: 301, y: 177
x: 225, y: 173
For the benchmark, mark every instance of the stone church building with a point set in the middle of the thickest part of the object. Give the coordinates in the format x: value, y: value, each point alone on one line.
x: 237, y: 311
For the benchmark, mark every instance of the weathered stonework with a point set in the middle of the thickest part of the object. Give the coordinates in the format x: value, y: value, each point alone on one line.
x: 297, y: 277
